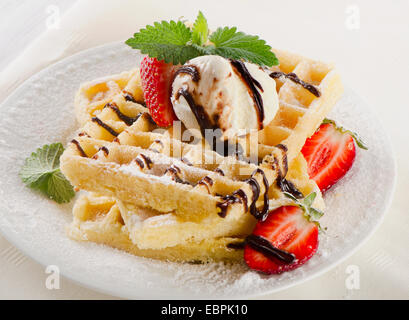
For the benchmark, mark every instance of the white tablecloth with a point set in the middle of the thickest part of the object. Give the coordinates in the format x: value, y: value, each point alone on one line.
x: 368, y: 40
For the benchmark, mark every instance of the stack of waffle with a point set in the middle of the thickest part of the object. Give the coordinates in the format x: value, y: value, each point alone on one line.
x: 149, y: 192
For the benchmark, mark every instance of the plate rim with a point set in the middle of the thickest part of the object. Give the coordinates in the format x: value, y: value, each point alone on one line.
x: 81, y: 281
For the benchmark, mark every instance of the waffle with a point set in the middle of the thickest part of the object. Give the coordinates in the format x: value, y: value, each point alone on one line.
x: 151, y: 229
x: 98, y: 219
x: 143, y: 168
x: 300, y: 112
x: 142, y: 232
x: 139, y: 230
x: 94, y: 95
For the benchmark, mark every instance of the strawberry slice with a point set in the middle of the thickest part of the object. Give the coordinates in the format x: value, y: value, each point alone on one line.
x: 330, y: 153
x: 283, y: 242
x: 157, y: 77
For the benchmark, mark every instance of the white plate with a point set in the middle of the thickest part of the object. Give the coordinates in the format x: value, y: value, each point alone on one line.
x: 41, y: 111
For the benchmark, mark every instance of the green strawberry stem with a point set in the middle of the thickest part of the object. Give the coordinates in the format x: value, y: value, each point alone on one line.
x: 310, y: 213
x: 360, y: 143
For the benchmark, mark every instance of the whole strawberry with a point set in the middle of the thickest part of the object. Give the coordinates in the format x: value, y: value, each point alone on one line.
x: 157, y: 79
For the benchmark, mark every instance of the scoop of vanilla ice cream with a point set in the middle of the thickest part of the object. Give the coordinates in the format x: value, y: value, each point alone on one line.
x: 222, y: 96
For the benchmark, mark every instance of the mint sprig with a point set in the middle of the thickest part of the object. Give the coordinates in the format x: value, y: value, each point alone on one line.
x: 41, y: 171
x: 360, y: 143
x: 175, y: 43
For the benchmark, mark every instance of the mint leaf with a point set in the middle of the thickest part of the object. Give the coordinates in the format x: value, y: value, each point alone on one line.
x: 200, y: 30
x: 230, y: 43
x: 59, y: 188
x: 41, y: 171
x: 166, y: 41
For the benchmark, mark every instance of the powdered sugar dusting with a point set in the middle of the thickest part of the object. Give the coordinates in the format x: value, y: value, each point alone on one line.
x: 41, y: 111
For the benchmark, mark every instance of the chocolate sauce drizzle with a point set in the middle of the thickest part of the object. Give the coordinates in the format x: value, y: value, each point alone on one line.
x: 156, y: 146
x: 219, y: 171
x: 236, y: 245
x: 84, y: 134
x: 282, y: 183
x: 262, y: 214
x: 207, y: 182
x: 283, y: 147
x: 147, y: 160
x: 148, y: 117
x: 190, y: 70
x: 144, y: 161
x: 224, y: 205
x: 228, y: 149
x: 252, y: 83
x: 201, y: 117
x: 158, y: 142
x: 205, y: 123
x: 265, y: 247
x: 174, y: 170
x: 186, y: 161
x: 242, y: 70
x: 128, y: 96
x: 240, y: 196
x: 243, y: 197
x: 255, y: 187
x: 104, y: 150
x: 294, y: 78
x: 287, y: 186
x: 105, y: 126
x: 128, y: 120
x: 139, y: 162
x: 79, y: 148
x: 284, y: 150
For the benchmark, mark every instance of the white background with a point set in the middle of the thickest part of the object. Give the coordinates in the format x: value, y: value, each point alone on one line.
x: 368, y: 41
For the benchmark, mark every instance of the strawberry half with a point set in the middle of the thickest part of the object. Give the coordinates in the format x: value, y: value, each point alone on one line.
x: 283, y: 242
x: 330, y: 153
x: 157, y: 77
